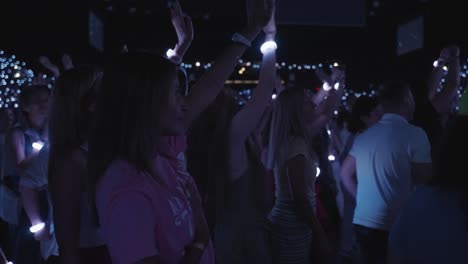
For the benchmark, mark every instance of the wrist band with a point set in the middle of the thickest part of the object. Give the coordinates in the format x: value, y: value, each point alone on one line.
x: 326, y: 87
x: 268, y: 46
x: 37, y: 227
x: 238, y: 38
x: 172, y: 55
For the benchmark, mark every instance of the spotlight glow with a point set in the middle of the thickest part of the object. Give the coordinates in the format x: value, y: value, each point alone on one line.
x: 331, y: 157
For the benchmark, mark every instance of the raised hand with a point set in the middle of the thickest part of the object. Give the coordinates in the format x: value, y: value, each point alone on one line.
x: 182, y: 24
x: 67, y: 64
x: 270, y: 28
x: 259, y: 12
x: 323, y: 76
x: 38, y: 80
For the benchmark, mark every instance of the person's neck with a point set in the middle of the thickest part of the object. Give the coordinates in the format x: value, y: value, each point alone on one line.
x: 400, y: 113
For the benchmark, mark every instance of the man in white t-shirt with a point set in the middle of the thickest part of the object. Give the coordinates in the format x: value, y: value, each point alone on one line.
x: 384, y: 164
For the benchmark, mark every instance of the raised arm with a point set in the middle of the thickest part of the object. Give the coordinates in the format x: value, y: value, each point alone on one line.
x: 435, y: 77
x: 184, y: 28
x: 245, y: 121
x: 67, y: 64
x: 325, y: 110
x: 212, y: 82
x: 443, y: 100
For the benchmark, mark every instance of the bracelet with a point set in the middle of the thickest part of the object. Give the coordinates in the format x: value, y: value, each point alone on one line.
x: 37, y: 227
x: 173, y: 56
x: 326, y: 86
x: 268, y: 46
x: 38, y: 145
x: 238, y: 38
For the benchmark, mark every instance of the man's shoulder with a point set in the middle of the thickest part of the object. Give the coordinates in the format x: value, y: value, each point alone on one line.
x: 415, y: 131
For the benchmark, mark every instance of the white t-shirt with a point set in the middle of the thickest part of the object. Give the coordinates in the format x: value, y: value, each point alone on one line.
x: 431, y: 228
x: 384, y: 154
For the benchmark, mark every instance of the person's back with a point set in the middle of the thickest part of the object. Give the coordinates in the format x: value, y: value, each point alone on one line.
x: 384, y: 154
x: 388, y: 159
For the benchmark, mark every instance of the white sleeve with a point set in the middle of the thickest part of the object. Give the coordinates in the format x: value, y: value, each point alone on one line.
x: 420, y: 148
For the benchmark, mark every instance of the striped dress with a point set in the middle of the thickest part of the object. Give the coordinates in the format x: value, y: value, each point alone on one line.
x: 291, y: 237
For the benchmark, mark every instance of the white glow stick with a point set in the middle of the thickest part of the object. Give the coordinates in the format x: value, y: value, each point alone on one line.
x: 268, y: 46
x: 326, y: 87
x: 36, y: 228
x: 38, y: 145
x: 337, y: 86
x: 171, y: 53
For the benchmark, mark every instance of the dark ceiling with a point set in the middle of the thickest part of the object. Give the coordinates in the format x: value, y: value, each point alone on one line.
x: 52, y: 28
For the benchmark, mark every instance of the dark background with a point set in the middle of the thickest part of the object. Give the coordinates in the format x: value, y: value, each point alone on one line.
x: 362, y: 34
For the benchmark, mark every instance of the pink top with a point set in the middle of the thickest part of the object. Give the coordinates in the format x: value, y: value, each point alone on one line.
x: 140, y: 218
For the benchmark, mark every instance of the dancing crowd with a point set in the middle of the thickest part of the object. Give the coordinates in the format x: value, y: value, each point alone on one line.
x: 125, y: 163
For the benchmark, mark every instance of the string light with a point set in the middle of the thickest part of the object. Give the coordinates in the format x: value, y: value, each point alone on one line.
x: 14, y: 76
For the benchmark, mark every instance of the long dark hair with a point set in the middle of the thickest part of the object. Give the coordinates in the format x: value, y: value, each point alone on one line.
x: 207, y: 153
x: 135, y: 90
x: 70, y: 116
x: 288, y: 121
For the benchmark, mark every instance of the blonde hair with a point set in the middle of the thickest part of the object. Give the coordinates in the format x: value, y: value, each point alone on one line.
x: 288, y: 122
